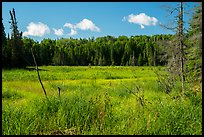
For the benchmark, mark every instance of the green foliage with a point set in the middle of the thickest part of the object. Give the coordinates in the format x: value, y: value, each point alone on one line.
x: 194, y: 47
x: 5, y: 48
x: 103, y: 51
x: 11, y: 94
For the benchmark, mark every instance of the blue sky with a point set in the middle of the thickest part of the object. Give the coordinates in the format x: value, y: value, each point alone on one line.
x: 54, y: 20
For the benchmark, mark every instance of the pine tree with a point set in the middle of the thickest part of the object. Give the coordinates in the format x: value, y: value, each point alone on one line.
x: 176, y: 55
x: 194, y: 49
x: 176, y: 61
x: 16, y: 43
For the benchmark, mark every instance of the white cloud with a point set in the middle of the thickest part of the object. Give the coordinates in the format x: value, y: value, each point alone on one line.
x: 58, y: 32
x: 141, y: 19
x: 36, y: 29
x: 85, y: 24
x: 69, y: 25
x: 73, y: 32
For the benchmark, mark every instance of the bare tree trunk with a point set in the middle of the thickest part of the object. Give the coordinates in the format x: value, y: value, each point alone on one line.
x: 38, y: 73
x: 181, y: 46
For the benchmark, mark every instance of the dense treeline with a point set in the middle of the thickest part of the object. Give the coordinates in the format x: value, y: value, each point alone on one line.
x: 102, y: 51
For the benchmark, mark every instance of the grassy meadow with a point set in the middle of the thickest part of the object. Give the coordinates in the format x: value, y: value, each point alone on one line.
x: 96, y: 101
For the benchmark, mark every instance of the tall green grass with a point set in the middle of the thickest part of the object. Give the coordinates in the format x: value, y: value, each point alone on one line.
x: 96, y: 103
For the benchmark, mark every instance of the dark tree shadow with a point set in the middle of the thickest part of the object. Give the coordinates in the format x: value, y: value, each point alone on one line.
x: 34, y: 69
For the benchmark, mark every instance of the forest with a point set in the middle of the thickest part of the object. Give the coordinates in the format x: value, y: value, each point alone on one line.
x: 104, y: 51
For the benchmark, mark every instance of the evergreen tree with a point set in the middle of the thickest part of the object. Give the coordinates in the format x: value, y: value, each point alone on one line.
x: 194, y: 49
x: 16, y: 42
x: 4, y: 47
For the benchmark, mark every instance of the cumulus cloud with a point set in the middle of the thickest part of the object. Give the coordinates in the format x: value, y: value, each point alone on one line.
x: 69, y: 25
x: 58, y: 32
x: 73, y: 32
x: 36, y: 29
x: 142, y: 19
x: 85, y: 24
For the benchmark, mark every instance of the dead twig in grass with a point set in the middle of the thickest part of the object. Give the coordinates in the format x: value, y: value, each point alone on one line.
x: 141, y: 98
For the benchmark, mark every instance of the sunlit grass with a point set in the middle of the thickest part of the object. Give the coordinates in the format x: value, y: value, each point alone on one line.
x: 95, y: 100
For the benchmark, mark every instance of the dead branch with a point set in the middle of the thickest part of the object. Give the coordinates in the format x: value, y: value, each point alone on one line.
x: 38, y: 72
x: 58, y: 91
